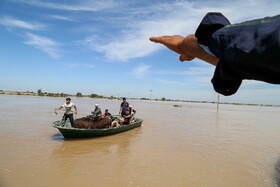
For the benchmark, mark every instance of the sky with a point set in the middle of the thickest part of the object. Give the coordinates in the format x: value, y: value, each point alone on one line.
x: 103, y: 47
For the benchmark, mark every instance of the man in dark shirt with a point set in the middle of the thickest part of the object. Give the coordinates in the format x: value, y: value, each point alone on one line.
x: 124, y: 107
x: 125, y: 120
x: 248, y: 50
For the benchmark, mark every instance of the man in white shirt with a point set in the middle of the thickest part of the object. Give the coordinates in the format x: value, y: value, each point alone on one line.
x: 68, y: 106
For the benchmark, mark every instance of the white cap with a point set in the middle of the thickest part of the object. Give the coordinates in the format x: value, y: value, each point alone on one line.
x: 96, y: 104
x: 130, y: 106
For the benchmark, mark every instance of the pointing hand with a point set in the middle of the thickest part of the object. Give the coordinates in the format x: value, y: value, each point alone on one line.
x: 176, y: 44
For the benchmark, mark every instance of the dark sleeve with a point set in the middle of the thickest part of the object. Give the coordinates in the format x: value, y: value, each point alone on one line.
x: 247, y: 50
x: 222, y: 82
x: 212, y: 22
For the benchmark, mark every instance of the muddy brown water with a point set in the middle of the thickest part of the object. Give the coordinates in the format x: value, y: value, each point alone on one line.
x: 192, y: 145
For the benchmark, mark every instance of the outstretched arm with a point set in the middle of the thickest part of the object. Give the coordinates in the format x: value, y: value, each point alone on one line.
x: 187, y: 48
x: 59, y: 108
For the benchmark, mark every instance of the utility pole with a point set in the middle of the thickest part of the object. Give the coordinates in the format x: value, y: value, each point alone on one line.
x: 218, y: 101
x: 151, y: 95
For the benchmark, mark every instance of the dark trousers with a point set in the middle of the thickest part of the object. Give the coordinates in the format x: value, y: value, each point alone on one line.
x: 123, y: 113
x: 65, y: 116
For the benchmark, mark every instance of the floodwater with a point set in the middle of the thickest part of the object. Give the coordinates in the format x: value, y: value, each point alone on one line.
x: 192, y: 145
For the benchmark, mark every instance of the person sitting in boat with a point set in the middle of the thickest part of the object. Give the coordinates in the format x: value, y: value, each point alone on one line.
x: 124, y: 107
x: 68, y: 106
x: 125, y: 120
x: 96, y: 114
x: 107, y: 114
x: 131, y: 111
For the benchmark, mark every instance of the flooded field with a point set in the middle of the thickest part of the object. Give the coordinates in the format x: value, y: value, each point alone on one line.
x: 192, y: 145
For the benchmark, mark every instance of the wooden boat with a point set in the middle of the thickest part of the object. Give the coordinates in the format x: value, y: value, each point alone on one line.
x: 68, y: 132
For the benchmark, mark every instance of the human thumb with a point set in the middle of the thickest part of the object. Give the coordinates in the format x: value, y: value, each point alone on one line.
x: 185, y: 57
x: 182, y: 58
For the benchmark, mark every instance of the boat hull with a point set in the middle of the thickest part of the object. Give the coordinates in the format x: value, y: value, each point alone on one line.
x: 69, y: 132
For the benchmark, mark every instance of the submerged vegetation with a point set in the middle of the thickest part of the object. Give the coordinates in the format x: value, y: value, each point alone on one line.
x: 177, y: 105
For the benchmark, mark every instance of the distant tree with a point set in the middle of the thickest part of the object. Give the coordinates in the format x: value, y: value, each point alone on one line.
x: 50, y: 94
x: 62, y: 94
x: 39, y: 91
x: 93, y: 95
x: 79, y: 94
x: 163, y: 99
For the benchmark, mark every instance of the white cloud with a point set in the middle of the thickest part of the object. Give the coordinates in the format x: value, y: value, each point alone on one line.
x: 88, y: 65
x: 141, y: 70
x: 94, y: 5
x: 179, y: 17
x: 260, y: 96
x: 252, y: 83
x: 180, y: 83
x: 192, y: 76
x: 61, y: 18
x: 196, y: 81
x: 44, y: 44
x: 12, y: 22
x: 207, y: 70
x: 77, y: 65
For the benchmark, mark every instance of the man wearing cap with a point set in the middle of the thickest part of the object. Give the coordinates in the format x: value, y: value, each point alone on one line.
x: 97, y: 112
x: 131, y: 111
x: 124, y: 107
x: 68, y: 106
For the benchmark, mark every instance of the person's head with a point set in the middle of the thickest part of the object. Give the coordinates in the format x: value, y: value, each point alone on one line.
x: 106, y: 111
x: 127, y: 112
x: 96, y: 105
x: 130, y: 107
x: 68, y: 100
x: 124, y: 99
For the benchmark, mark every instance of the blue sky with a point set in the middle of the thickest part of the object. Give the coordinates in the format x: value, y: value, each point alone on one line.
x: 102, y: 46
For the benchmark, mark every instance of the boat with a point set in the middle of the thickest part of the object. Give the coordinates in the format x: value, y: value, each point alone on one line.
x: 69, y: 132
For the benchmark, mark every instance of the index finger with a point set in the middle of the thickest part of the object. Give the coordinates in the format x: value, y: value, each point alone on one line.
x: 156, y: 39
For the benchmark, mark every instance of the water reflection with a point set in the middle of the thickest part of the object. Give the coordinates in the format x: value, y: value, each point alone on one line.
x: 58, y: 137
x: 83, y: 146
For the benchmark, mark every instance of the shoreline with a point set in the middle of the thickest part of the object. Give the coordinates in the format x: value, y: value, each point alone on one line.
x: 119, y: 98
